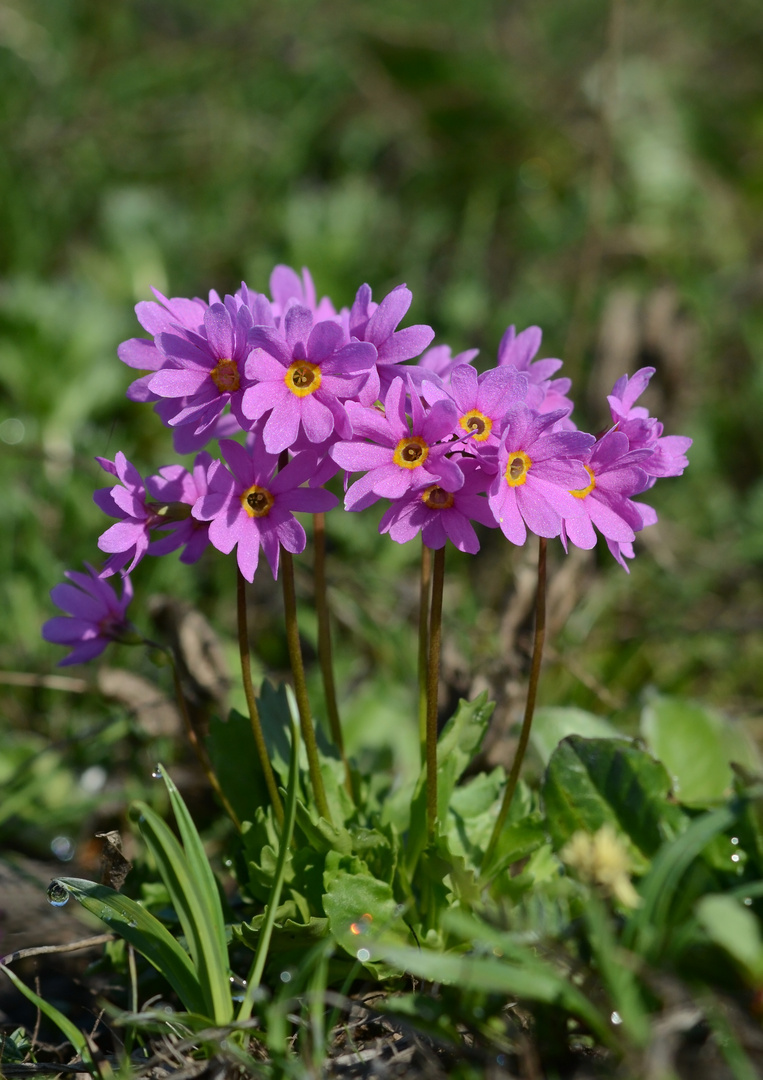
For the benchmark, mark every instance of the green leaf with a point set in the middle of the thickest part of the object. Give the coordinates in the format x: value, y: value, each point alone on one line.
x: 736, y: 930
x: 287, y: 833
x: 237, y: 764
x: 191, y: 903
x: 591, y: 782
x: 288, y: 936
x: 648, y: 928
x: 150, y: 937
x: 696, y: 746
x: 362, y: 912
x: 531, y: 981
x: 321, y: 834
x: 554, y: 723
x: 460, y: 740
x: 202, y: 873
x: 63, y: 1023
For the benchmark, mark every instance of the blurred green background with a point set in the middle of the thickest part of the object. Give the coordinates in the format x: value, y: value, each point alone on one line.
x: 596, y: 168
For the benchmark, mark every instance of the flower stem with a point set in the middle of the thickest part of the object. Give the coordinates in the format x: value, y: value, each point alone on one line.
x: 425, y: 582
x: 251, y: 701
x: 198, y: 747
x: 532, y: 691
x: 433, y: 680
x: 324, y: 643
x: 300, y: 685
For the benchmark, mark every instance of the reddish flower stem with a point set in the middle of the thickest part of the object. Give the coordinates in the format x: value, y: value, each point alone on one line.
x: 324, y: 644
x: 433, y: 680
x: 532, y: 691
x: 424, y: 588
x: 251, y: 701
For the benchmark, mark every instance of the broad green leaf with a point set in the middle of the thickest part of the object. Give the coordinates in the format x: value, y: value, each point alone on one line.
x: 459, y: 741
x: 731, y: 926
x: 288, y: 935
x: 321, y: 834
x: 63, y: 1023
x: 554, y: 723
x: 275, y: 717
x: 190, y: 903
x: 362, y: 912
x: 237, y: 765
x: 590, y: 782
x: 696, y: 746
x: 150, y: 937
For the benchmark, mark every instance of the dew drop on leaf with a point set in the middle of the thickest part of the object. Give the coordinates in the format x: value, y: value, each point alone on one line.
x: 58, y: 894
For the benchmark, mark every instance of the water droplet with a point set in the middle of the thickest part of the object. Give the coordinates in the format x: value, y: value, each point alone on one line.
x: 497, y: 951
x: 133, y: 923
x: 500, y: 1059
x: 362, y: 925
x: 285, y: 976
x: 734, y: 839
x: 747, y: 901
x: 616, y: 1018
x: 12, y: 430
x: 735, y: 857
x: 63, y: 848
x: 479, y: 1012
x: 363, y: 955
x: 93, y: 779
x: 157, y: 773
x: 58, y: 894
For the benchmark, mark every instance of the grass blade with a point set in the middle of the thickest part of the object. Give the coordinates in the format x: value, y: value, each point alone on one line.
x: 63, y: 1023
x: 536, y: 981
x: 201, y: 872
x: 188, y: 900
x: 266, y: 930
x: 150, y: 937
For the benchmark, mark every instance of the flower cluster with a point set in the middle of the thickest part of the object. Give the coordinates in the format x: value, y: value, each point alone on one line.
x: 294, y: 390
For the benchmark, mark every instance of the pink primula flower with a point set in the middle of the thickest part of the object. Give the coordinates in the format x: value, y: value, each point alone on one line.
x: 614, y: 474
x: 545, y: 393
x: 537, y: 470
x: 95, y: 615
x: 668, y: 457
x: 378, y: 323
x: 482, y: 402
x: 174, y: 484
x: 302, y: 374
x: 398, y: 456
x: 127, y: 541
x: 251, y: 506
x: 440, y: 514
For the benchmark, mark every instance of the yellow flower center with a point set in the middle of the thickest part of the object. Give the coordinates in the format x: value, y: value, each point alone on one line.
x: 517, y: 468
x: 477, y: 425
x: 302, y: 378
x: 257, y: 501
x: 225, y: 376
x: 411, y: 452
x: 582, y: 492
x: 436, y: 498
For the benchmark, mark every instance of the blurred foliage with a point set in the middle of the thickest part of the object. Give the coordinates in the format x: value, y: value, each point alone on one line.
x: 592, y: 167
